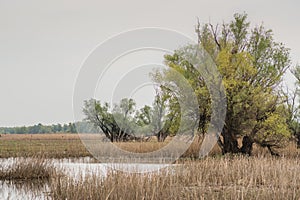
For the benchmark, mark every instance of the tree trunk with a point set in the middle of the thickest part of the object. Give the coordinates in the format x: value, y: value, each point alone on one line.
x: 298, y: 140
x: 230, y: 143
x: 273, y: 153
x: 161, y: 136
x: 247, y: 145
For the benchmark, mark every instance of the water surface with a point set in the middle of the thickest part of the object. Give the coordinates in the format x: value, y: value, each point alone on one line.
x: 74, y: 168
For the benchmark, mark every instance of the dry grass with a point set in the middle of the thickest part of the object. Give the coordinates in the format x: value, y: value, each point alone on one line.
x: 210, y: 178
x: 70, y: 145
x: 143, y: 147
x: 62, y: 145
x: 34, y: 169
x: 47, y: 145
x: 216, y: 177
x: 28, y: 137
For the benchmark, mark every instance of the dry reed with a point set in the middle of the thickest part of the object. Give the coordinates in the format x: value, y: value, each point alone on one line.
x: 210, y: 178
x: 34, y: 169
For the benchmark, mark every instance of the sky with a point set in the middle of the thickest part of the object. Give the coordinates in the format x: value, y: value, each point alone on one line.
x: 44, y: 43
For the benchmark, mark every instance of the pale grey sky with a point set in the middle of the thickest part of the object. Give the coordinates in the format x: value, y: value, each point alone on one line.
x: 43, y: 43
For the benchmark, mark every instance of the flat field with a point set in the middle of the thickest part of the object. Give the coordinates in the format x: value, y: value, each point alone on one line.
x: 47, y: 145
x: 66, y: 145
x: 62, y: 145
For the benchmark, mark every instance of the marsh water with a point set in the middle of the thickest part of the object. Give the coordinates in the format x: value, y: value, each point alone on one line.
x: 74, y: 168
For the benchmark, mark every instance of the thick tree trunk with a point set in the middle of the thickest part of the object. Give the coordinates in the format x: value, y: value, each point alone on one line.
x: 230, y: 143
x: 161, y: 136
x: 247, y: 145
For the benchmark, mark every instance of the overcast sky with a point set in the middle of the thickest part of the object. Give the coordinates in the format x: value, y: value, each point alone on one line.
x: 43, y: 43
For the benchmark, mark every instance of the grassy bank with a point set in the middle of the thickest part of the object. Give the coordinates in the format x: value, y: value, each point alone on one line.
x: 211, y: 178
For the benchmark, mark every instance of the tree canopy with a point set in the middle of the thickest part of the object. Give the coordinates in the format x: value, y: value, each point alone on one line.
x: 252, y: 65
x: 124, y: 122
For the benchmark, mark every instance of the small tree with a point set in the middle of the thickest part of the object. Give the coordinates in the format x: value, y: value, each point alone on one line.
x: 124, y: 122
x: 158, y: 120
x: 115, y: 126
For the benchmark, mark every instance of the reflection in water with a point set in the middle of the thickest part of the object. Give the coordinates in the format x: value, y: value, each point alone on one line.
x: 23, y: 190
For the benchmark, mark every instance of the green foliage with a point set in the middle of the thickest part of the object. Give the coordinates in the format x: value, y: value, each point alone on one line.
x: 40, y: 129
x: 120, y: 123
x: 273, y: 131
x: 251, y: 64
x: 124, y: 122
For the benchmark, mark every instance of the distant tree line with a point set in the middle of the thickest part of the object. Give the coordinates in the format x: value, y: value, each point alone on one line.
x: 40, y: 128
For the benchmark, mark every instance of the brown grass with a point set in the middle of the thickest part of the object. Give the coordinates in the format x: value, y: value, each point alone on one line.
x: 70, y: 145
x: 48, y: 145
x: 62, y: 145
x: 143, y: 147
x: 50, y: 136
x: 216, y: 177
x: 210, y: 178
x: 34, y: 169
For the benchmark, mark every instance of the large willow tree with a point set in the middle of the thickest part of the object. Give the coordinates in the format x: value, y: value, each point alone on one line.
x: 252, y: 65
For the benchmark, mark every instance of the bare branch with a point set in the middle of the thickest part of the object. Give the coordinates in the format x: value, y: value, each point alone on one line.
x: 215, y: 35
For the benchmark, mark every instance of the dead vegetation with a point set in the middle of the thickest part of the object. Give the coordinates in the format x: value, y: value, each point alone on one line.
x: 71, y: 146
x: 210, y: 178
x: 34, y: 169
x: 260, y: 176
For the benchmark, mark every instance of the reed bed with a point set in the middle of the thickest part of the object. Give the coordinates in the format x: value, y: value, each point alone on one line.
x: 210, y: 178
x: 34, y: 169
